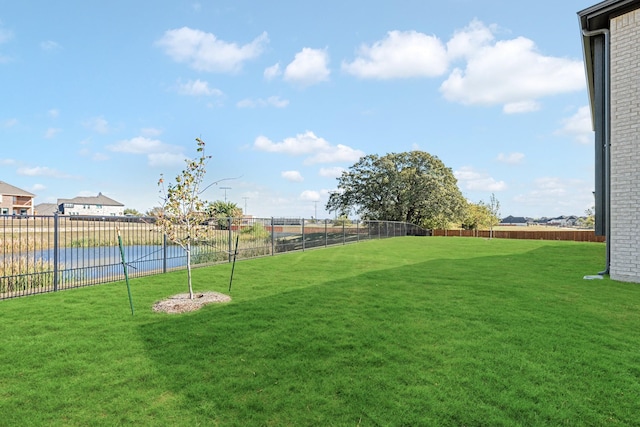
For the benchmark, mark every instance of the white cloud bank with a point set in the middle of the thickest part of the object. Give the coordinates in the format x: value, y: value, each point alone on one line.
x: 317, y: 150
x: 401, y: 54
x: 292, y: 176
x: 578, y: 126
x: 203, y: 51
x: 472, y: 180
x: 511, y: 73
x: 158, y: 153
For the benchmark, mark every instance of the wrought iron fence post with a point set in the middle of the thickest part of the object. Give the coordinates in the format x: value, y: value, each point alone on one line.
x: 230, y: 237
x: 344, y: 236
x: 303, y: 246
x: 56, y: 248
x: 357, y: 230
x: 273, y: 242
x: 164, y: 253
x: 326, y: 236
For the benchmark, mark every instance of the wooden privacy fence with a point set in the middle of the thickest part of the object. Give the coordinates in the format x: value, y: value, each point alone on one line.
x: 575, y: 235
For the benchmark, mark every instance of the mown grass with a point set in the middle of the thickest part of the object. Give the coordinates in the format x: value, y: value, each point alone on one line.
x: 405, y: 331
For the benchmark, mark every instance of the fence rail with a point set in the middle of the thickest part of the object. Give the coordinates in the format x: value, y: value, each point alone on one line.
x: 575, y: 235
x: 40, y: 254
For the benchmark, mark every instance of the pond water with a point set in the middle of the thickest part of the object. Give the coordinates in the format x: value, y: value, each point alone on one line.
x: 103, y: 261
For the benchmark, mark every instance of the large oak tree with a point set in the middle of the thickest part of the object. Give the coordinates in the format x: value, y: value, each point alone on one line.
x: 414, y: 186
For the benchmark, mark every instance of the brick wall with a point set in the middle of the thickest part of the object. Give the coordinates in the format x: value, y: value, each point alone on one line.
x: 625, y: 147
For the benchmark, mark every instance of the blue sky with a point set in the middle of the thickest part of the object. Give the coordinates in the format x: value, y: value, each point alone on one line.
x: 107, y: 96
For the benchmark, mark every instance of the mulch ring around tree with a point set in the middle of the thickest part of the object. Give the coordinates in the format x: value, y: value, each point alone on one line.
x: 181, y: 303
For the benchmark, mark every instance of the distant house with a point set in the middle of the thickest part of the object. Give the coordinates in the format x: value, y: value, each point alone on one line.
x: 99, y: 205
x: 15, y: 201
x: 563, y: 221
x: 514, y: 220
x: 45, y: 208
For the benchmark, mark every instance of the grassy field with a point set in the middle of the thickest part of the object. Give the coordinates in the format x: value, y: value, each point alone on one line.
x: 406, y: 331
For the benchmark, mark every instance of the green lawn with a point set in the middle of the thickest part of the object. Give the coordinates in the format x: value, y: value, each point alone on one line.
x: 412, y: 331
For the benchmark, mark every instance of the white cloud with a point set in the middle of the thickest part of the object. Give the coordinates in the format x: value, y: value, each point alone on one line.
x: 52, y: 132
x: 310, y: 196
x: 472, y: 180
x: 557, y: 196
x: 305, y: 143
x: 7, y: 162
x: 466, y: 42
x: 578, y: 126
x: 97, y: 124
x: 139, y: 145
x: 50, y: 46
x: 293, y: 176
x: 42, y: 171
x: 158, y: 153
x: 511, y: 158
x: 53, y: 113
x: 272, y: 101
x: 205, y: 52
x: 151, y: 132
x: 401, y: 54
x: 272, y: 72
x: 9, y: 123
x: 521, y: 107
x: 38, y: 187
x: 339, y: 153
x: 309, y: 67
x: 5, y: 35
x: 317, y: 150
x: 332, y: 172
x: 166, y: 159
x: 511, y: 73
x: 197, y: 88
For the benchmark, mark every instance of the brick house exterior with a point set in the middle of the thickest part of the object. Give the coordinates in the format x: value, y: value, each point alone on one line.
x: 15, y: 201
x: 611, y: 41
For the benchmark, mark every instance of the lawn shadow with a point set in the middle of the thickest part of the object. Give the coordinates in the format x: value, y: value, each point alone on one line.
x: 372, y: 348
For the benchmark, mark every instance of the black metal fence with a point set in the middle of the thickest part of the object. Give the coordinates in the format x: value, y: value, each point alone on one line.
x: 41, y: 254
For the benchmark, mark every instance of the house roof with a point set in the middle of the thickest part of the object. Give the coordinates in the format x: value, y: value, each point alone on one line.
x: 514, y: 220
x: 100, y: 199
x: 11, y: 190
x: 45, y: 208
x: 594, y: 18
x: 599, y: 15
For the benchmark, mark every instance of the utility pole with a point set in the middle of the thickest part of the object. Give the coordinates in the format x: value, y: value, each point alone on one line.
x: 225, y: 192
x: 245, y: 205
x: 315, y: 205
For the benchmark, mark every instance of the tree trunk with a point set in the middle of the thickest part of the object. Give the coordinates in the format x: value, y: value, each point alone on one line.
x: 189, y: 269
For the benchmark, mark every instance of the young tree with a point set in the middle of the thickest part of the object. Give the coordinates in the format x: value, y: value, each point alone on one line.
x: 494, y: 209
x: 182, y: 214
x: 482, y: 215
x: 589, y: 220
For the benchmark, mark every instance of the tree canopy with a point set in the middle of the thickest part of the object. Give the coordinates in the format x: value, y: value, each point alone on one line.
x: 220, y: 211
x: 414, y: 186
x: 482, y: 215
